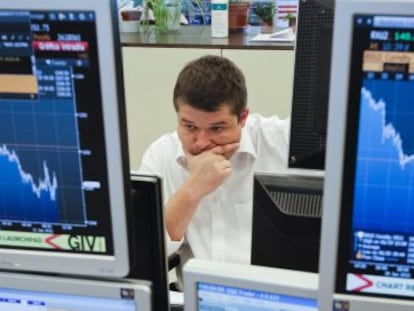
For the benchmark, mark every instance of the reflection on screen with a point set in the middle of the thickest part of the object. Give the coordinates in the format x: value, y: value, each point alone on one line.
x: 381, y: 254
x: 221, y: 298
x: 21, y: 300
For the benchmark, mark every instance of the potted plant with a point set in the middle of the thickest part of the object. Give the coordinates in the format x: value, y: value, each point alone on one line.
x: 166, y: 14
x: 291, y: 19
x: 266, y: 12
x: 238, y: 14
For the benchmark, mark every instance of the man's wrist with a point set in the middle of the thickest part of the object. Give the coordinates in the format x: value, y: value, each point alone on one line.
x: 191, y: 192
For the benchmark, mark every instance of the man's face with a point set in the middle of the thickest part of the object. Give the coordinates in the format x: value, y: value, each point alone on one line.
x: 201, y: 130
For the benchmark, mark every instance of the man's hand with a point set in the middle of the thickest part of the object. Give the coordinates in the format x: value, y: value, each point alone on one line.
x: 210, y: 168
x: 207, y: 171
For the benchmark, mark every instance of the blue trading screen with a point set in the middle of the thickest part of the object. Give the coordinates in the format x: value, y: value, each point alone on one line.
x: 221, y: 297
x: 51, y: 132
x: 24, y: 300
x: 380, y: 255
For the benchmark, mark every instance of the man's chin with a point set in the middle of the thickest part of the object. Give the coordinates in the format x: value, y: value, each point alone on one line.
x: 196, y: 153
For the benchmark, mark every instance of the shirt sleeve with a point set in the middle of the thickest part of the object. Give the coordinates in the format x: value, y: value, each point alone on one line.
x: 150, y: 163
x: 172, y: 246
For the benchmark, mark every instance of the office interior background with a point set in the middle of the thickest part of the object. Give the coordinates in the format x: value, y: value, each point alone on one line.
x: 370, y: 79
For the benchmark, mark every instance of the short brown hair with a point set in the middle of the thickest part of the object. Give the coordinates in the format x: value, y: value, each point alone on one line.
x: 208, y: 82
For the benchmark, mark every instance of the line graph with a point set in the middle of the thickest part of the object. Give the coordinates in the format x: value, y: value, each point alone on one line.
x: 388, y: 130
x: 26, y: 198
x: 40, y: 165
x: 384, y: 185
x: 45, y: 185
x: 398, y: 95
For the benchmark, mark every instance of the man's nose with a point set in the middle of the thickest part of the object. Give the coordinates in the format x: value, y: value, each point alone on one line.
x: 203, y: 140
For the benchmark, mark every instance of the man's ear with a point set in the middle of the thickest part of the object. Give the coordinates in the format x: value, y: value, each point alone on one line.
x: 243, y: 117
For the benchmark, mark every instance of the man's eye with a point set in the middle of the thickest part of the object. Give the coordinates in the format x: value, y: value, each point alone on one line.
x: 190, y: 127
x: 217, y: 129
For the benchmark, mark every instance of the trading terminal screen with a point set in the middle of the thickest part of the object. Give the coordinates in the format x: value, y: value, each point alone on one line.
x: 377, y: 222
x: 24, y: 300
x: 53, y: 182
x: 221, y: 297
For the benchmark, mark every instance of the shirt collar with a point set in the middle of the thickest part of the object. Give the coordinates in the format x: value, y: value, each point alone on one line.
x: 246, y: 147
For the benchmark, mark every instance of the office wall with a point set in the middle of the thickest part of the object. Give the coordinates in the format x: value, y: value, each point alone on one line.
x: 150, y: 74
x: 269, y: 79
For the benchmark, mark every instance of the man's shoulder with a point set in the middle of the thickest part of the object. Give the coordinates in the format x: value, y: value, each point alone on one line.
x: 163, y: 147
x: 167, y: 141
x: 160, y: 154
x: 257, y: 122
x: 270, y: 138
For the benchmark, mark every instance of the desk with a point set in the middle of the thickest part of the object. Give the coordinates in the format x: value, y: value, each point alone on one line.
x: 200, y: 37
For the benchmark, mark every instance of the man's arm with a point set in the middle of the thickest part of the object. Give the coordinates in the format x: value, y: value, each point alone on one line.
x: 207, y: 171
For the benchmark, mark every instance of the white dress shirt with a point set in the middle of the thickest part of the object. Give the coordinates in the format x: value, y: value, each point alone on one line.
x: 221, y: 227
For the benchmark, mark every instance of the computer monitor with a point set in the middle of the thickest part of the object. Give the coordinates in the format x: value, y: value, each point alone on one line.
x: 367, y: 253
x: 287, y: 212
x: 311, y: 84
x: 146, y: 237
x: 210, y: 285
x: 63, y: 159
x: 29, y: 292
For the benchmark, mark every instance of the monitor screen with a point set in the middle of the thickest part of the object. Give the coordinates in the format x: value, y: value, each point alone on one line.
x: 63, y: 157
x: 225, y: 286
x: 24, y: 292
x: 287, y: 212
x: 368, y: 192
x: 219, y: 297
x: 311, y: 84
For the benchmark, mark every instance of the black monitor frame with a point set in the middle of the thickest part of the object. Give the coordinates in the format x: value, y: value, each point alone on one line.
x: 286, y: 221
x: 311, y: 84
x: 146, y: 237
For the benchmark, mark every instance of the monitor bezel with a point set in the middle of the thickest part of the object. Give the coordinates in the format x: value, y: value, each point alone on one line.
x: 272, y: 223
x: 114, y: 122
x: 147, y: 231
x: 271, y: 280
x: 309, y: 107
x: 336, y: 153
x: 100, y: 288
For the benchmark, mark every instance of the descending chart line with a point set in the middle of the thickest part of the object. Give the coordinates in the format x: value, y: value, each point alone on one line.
x: 384, y: 181
x: 47, y: 184
x: 388, y: 130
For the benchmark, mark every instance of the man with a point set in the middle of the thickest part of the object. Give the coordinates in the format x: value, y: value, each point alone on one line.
x: 207, y: 165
